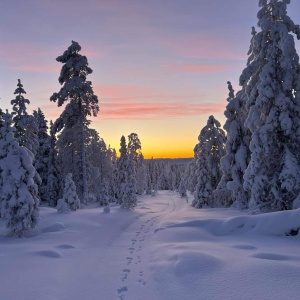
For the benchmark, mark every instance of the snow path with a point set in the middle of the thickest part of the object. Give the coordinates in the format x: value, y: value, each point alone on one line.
x: 163, y: 250
x: 136, y: 270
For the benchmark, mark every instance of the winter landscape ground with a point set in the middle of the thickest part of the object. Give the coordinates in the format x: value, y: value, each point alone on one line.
x: 164, y: 249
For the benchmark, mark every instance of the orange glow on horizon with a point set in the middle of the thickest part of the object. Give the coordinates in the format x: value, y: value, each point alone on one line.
x: 165, y: 154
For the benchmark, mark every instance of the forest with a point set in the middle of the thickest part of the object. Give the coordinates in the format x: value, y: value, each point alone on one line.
x: 253, y: 164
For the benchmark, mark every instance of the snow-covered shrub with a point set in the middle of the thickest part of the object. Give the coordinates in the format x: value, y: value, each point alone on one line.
x: 106, y: 209
x: 70, y: 197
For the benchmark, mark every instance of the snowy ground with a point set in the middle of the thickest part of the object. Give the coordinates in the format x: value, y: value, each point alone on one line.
x: 165, y: 249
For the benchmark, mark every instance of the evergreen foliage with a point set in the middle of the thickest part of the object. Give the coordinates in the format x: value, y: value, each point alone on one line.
x: 82, y: 102
x: 70, y: 200
x: 52, y: 187
x: 19, y: 193
x: 272, y: 84
x: 234, y: 163
x: 20, y: 115
x: 211, y: 148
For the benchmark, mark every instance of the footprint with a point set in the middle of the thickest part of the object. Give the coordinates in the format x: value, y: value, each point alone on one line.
x: 122, y: 289
x: 157, y: 229
x: 125, y: 274
x: 129, y: 260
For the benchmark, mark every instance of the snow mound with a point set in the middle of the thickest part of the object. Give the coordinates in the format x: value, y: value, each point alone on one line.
x: 49, y: 253
x: 192, y: 262
x: 273, y: 256
x: 283, y: 223
x: 66, y: 246
x: 106, y: 210
x: 55, y: 227
x: 244, y: 247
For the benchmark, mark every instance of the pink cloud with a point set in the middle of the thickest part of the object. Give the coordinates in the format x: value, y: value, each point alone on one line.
x: 38, y: 68
x: 156, y: 110
x: 197, y: 68
x: 22, y: 52
x: 143, y: 103
x: 120, y: 91
x: 204, y: 47
x: 89, y: 52
x: 36, y: 58
x: 136, y: 103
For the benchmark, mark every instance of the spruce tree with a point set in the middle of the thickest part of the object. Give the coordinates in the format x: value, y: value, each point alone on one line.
x: 211, y: 148
x: 235, y: 161
x: 272, y: 86
x: 122, y: 164
x: 52, y: 187
x: 192, y: 171
x: 141, y: 175
x: 20, y: 115
x: 82, y: 102
x: 70, y: 200
x: 42, y: 154
x: 19, y: 194
x: 129, y: 199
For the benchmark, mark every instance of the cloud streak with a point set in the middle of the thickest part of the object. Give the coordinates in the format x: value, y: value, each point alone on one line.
x: 156, y: 110
x: 38, y: 68
x: 143, y: 103
x: 196, y: 68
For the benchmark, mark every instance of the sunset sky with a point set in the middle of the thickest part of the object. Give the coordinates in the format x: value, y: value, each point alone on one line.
x: 160, y: 66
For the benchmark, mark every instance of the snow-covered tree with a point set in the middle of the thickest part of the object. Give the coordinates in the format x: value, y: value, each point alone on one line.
x: 70, y: 200
x: 25, y: 125
x: 31, y: 136
x: 102, y: 170
x: 182, y: 189
x: 211, y: 148
x: 141, y: 175
x: 20, y: 115
x: 192, y: 171
x: 272, y: 85
x: 82, y: 102
x: 42, y: 154
x: 129, y: 199
x: 164, y: 178
x: 152, y: 177
x: 122, y: 164
x: 52, y: 187
x: 234, y: 163
x: 126, y: 175
x: 138, y: 171
x: 19, y: 194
